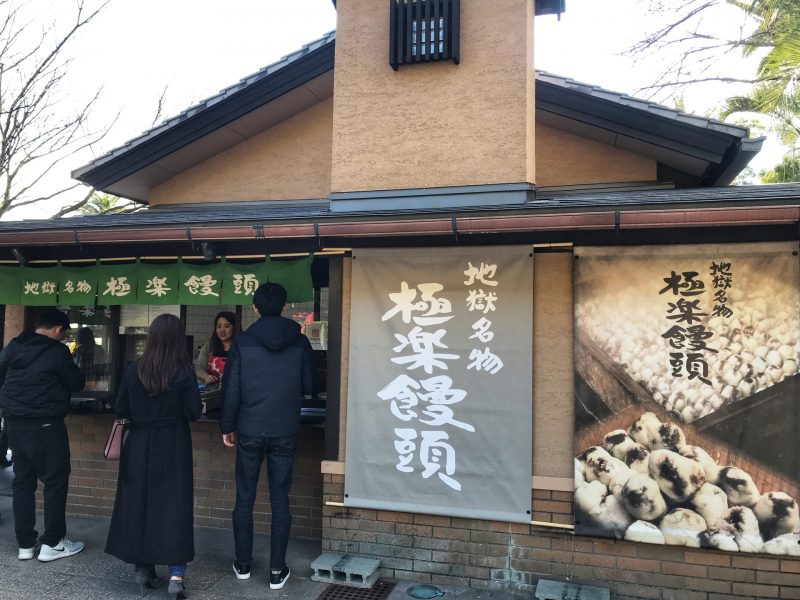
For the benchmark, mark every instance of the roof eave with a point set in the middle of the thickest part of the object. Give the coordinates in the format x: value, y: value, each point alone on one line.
x: 746, y: 151
x: 744, y: 205
x: 170, y: 139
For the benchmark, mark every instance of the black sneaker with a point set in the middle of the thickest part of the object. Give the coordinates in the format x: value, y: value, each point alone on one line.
x: 241, y: 570
x: 278, y: 580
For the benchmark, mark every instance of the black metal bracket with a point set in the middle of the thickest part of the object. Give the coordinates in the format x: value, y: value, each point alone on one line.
x: 316, y: 235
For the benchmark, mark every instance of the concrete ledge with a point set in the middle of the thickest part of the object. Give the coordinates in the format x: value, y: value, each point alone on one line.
x: 342, y: 569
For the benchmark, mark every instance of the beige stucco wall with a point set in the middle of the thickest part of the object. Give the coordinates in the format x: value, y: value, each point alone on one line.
x: 553, y: 378
x: 564, y: 158
x: 431, y: 124
x: 289, y: 161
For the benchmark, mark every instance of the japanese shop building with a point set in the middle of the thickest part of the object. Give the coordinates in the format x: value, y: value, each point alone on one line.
x: 500, y: 269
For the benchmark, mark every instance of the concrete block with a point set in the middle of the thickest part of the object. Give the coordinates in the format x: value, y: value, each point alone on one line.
x: 345, y: 569
x: 557, y: 590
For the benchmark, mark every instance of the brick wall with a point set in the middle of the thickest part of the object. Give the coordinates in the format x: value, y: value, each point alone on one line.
x: 94, y: 480
x: 491, y: 554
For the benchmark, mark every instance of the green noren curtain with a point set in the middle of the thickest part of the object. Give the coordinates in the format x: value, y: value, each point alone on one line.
x: 38, y: 286
x: 158, y: 284
x: 117, y: 284
x: 200, y: 284
x: 240, y: 281
x: 77, y: 286
x: 10, y: 284
x: 149, y: 283
x: 295, y: 276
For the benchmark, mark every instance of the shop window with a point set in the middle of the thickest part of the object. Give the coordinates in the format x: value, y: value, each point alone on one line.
x: 423, y: 31
x: 90, y: 341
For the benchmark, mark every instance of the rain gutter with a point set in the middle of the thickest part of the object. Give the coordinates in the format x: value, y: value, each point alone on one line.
x: 613, y: 217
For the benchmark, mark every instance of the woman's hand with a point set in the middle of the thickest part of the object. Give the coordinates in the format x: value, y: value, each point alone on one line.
x: 209, y: 378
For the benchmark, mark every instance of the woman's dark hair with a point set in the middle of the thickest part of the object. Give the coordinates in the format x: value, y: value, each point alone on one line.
x: 85, y: 337
x: 165, y: 356
x: 84, y: 348
x: 215, y: 344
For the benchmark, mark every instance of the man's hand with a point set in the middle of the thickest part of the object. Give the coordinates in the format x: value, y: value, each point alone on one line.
x: 229, y: 439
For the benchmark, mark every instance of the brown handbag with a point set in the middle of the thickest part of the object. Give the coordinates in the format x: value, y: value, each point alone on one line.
x: 116, y: 437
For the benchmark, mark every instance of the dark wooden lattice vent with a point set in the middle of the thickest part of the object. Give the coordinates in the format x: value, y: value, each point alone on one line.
x: 423, y: 31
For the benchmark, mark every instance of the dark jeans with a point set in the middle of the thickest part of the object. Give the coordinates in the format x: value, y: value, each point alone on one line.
x: 174, y: 570
x: 41, y: 452
x: 250, y: 453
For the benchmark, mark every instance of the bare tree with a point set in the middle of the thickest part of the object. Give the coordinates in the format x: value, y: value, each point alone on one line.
x: 37, y: 132
x: 691, y: 41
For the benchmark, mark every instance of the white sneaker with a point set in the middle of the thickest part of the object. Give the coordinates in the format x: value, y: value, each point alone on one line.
x: 63, y: 549
x: 26, y: 553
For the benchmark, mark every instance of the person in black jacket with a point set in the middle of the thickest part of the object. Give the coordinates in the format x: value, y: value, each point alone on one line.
x: 37, y: 376
x: 268, y: 371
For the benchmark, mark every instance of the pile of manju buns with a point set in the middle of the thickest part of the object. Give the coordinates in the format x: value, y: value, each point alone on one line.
x: 647, y: 484
x: 752, y: 350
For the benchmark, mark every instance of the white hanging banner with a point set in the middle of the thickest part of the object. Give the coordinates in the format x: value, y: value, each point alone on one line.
x: 439, y: 417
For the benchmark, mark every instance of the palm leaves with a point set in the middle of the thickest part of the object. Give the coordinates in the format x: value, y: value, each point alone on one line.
x: 777, y: 93
x: 105, y: 204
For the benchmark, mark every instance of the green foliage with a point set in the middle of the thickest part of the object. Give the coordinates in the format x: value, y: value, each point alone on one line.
x: 788, y: 171
x: 105, y: 204
x: 777, y: 93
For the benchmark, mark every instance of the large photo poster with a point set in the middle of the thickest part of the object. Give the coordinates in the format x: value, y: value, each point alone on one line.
x: 686, y: 381
x: 439, y: 408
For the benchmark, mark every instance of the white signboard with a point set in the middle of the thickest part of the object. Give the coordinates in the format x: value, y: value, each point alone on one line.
x: 439, y: 401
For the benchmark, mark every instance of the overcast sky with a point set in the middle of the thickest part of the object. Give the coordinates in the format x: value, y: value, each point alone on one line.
x: 194, y: 48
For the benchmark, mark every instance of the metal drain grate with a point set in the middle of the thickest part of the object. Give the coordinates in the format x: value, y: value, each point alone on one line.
x: 379, y: 591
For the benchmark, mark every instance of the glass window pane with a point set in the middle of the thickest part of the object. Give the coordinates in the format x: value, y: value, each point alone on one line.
x: 89, y: 341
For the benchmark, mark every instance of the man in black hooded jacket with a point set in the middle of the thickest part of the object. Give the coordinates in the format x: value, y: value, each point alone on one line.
x: 37, y: 376
x: 269, y: 370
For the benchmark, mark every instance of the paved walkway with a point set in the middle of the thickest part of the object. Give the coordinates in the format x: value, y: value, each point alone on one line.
x: 94, y: 575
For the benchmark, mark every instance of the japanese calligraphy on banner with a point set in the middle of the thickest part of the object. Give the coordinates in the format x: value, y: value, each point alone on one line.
x: 153, y: 283
x: 39, y: 286
x: 77, y: 286
x: 158, y: 283
x: 200, y: 284
x: 687, y: 397
x: 240, y: 281
x: 117, y: 284
x: 441, y: 349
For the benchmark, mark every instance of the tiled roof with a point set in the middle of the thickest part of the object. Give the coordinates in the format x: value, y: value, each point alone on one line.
x: 639, y: 104
x: 545, y: 201
x: 726, y: 147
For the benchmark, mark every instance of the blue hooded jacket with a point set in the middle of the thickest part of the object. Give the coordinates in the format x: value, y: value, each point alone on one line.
x: 268, y: 371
